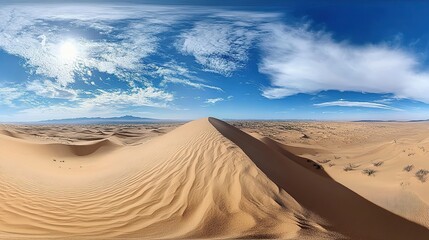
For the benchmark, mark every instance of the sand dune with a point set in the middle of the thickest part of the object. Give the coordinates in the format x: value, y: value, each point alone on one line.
x: 201, y: 180
x: 394, y: 153
x: 345, y: 211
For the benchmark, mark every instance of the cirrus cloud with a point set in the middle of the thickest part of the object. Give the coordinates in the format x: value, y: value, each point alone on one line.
x: 219, y: 47
x: 8, y: 95
x: 36, y: 33
x: 148, y: 96
x: 343, y: 103
x: 103, y: 103
x: 49, y: 89
x: 214, y: 100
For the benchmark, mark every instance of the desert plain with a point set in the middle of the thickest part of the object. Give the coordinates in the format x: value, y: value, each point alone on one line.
x: 213, y: 179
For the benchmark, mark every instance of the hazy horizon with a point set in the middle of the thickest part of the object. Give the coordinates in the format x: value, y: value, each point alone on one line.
x: 103, y: 120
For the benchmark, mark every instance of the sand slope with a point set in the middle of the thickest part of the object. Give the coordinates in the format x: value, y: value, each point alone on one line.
x: 203, y: 179
x: 396, y: 152
x: 345, y: 211
x: 191, y: 182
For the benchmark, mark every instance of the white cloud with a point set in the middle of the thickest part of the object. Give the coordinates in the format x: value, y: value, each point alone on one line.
x: 174, y: 73
x: 148, y: 96
x: 49, y: 89
x: 36, y: 34
x: 343, y: 103
x: 106, y: 103
x: 8, y: 95
x: 296, y: 59
x: 219, y: 47
x: 214, y: 100
x: 301, y: 61
x: 248, y: 18
x: 189, y: 83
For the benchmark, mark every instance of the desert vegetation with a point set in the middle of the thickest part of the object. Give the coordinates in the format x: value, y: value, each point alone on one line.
x: 408, y: 168
x: 323, y: 161
x: 369, y: 172
x: 422, y: 175
x: 350, y: 167
x: 378, y: 164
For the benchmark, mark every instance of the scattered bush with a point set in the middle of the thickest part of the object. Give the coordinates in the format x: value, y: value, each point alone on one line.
x: 350, y: 167
x: 408, y: 168
x: 421, y: 175
x: 324, y: 161
x: 378, y: 164
x: 369, y: 172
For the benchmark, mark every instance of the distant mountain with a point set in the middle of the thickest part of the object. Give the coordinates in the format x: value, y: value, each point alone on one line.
x: 422, y: 120
x: 99, y: 120
x: 377, y: 121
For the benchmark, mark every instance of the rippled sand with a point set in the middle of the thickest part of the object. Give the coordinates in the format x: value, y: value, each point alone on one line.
x: 206, y: 179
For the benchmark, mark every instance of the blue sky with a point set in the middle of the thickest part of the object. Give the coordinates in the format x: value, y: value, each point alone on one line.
x: 321, y: 60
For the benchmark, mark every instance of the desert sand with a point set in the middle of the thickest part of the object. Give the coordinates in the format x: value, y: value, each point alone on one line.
x: 211, y: 179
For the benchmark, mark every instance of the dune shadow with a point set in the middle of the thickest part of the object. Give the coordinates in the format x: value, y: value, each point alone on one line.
x: 304, y: 162
x: 344, y: 211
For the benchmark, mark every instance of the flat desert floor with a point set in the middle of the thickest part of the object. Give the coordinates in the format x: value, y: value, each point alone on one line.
x: 212, y: 179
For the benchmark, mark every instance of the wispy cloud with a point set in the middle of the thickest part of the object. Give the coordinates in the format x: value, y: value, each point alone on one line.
x: 219, y: 47
x: 188, y: 83
x: 172, y: 72
x: 8, y: 95
x: 104, y: 103
x: 37, y: 35
x: 302, y: 61
x: 356, y: 104
x: 127, y: 45
x: 148, y: 96
x: 214, y: 100
x: 49, y: 89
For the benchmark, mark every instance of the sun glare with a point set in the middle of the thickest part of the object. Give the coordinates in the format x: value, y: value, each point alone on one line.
x: 68, y: 50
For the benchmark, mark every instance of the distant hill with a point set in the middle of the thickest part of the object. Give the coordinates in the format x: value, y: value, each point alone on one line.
x: 425, y: 120
x: 422, y: 120
x: 99, y: 120
x: 377, y: 121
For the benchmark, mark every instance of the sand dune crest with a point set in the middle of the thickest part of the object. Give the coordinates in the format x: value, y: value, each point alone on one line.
x: 203, y: 179
x: 190, y: 182
x: 345, y: 211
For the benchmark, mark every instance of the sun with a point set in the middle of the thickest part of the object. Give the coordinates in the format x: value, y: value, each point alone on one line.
x: 68, y: 50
